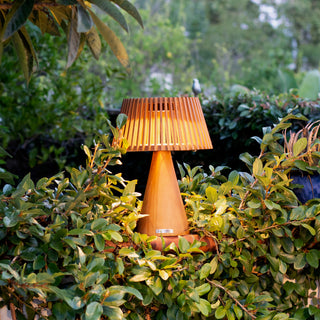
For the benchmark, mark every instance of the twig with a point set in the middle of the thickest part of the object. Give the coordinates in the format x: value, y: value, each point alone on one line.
x: 247, y: 194
x: 233, y: 298
x: 276, y: 226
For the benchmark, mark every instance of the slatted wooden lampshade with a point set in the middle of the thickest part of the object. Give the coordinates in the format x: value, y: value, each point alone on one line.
x: 163, y: 125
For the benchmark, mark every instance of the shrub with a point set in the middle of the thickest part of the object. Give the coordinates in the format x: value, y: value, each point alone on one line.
x: 235, y: 118
x: 70, y: 250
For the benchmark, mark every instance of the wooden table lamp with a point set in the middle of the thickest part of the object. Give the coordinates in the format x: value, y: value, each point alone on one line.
x: 162, y: 125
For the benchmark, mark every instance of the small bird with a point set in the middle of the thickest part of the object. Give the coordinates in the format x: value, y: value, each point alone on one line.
x: 196, y: 87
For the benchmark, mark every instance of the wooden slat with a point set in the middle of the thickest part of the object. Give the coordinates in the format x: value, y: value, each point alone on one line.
x: 165, y: 124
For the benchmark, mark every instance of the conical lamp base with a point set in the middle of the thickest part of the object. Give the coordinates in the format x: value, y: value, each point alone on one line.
x: 162, y: 200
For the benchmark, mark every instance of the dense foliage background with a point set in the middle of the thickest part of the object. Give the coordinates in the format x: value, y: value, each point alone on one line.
x: 69, y: 246
x: 257, y: 49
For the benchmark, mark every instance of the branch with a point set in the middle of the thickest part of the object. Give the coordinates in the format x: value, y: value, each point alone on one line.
x: 274, y: 226
x: 247, y: 194
x: 252, y: 316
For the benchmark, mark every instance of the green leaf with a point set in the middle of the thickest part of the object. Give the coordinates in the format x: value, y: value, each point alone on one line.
x: 274, y: 262
x: 39, y: 263
x: 93, y: 311
x: 184, y: 244
x: 299, y: 146
x: 80, y: 232
x: 96, y: 264
x: 297, y: 213
x: 214, y: 264
x: 230, y: 315
x: 164, y: 274
x: 17, y: 17
x: 113, y: 11
x: 85, y: 22
x: 155, y: 285
x: 113, y: 41
x: 121, y: 120
x: 281, y: 316
x: 205, y: 271
x: 113, y: 313
x: 132, y: 291
x: 128, y: 7
x: 300, y: 261
x: 203, y: 289
x: 99, y: 241
x: 311, y: 230
x: 130, y: 188
x: 129, y: 252
x: 238, y: 311
x: 204, y: 307
x: 142, y: 276
x: 82, y: 256
x: 99, y: 224
x: 10, y: 221
x: 313, y: 258
x: 14, y: 273
x: 115, y: 235
x: 220, y: 312
x: 211, y: 194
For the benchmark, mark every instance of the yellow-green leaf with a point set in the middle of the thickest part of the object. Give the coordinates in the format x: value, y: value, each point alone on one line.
x: 45, y: 22
x: 257, y: 167
x: 113, y: 41
x: 299, y: 146
x: 94, y: 42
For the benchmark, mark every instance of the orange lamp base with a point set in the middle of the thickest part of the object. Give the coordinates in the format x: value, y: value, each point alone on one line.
x: 162, y: 201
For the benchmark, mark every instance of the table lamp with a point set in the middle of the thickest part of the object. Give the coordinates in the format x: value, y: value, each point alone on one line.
x: 162, y: 125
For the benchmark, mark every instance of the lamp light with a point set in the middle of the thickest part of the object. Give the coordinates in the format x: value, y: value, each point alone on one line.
x: 162, y: 125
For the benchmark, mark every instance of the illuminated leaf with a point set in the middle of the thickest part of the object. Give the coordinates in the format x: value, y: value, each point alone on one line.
x: 299, y: 146
x: 113, y: 41
x: 94, y: 42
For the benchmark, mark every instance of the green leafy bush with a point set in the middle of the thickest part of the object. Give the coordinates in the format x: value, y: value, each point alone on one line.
x: 70, y: 250
x: 234, y: 119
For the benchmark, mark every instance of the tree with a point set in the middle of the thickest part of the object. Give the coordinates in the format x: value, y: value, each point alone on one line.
x: 300, y: 22
x: 78, y: 19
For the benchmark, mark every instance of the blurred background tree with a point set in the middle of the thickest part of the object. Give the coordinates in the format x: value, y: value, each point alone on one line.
x: 266, y: 45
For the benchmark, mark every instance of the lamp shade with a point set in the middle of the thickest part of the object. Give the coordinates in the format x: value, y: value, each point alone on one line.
x: 165, y: 124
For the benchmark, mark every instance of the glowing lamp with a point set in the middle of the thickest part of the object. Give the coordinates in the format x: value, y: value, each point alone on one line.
x: 162, y: 125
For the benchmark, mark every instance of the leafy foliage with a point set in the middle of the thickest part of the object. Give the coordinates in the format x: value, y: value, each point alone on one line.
x: 236, y: 118
x: 76, y: 18
x: 70, y: 246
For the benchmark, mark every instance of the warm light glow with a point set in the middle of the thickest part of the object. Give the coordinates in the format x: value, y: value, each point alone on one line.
x: 165, y: 124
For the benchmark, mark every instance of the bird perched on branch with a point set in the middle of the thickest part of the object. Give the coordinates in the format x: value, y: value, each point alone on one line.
x: 196, y: 87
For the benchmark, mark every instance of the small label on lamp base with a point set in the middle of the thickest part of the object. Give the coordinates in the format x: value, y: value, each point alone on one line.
x: 164, y: 230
